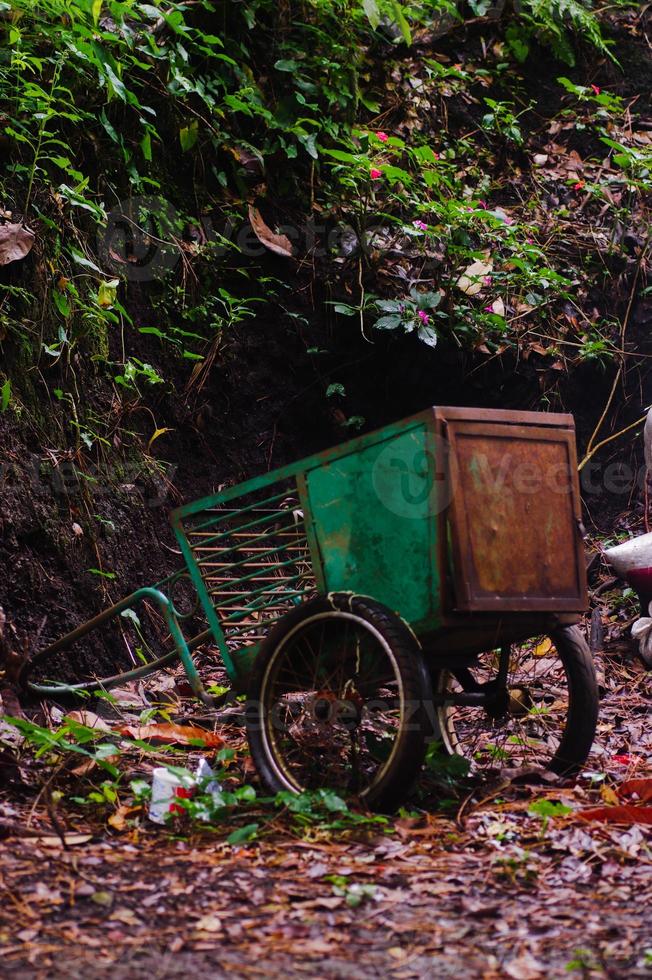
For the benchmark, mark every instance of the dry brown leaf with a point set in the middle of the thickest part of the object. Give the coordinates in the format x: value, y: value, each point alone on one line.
x: 626, y: 814
x: 280, y: 244
x: 88, y: 718
x: 637, y: 787
x: 15, y: 242
x: 118, y: 820
x: 209, y: 923
x: 72, y: 840
x: 470, y: 282
x: 179, y: 734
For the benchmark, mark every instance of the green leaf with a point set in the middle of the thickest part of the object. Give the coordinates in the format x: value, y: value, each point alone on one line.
x: 286, y: 64
x: 372, y: 12
x: 335, y: 389
x: 342, y: 156
x: 5, y: 395
x: 188, y: 135
x: 96, y: 11
x: 81, y: 259
x: 98, y: 571
x: 428, y: 335
x: 388, y: 323
x: 146, y: 146
x: 400, y: 19
x: 61, y: 302
x: 106, y: 293
x: 427, y: 301
x: 549, y: 808
x: 248, y: 832
x: 517, y: 43
x: 116, y: 83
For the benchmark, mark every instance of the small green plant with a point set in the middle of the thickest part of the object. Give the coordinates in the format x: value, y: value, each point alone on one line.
x: 5, y: 395
x: 517, y: 866
x: 583, y: 961
x: 70, y: 737
x: 354, y: 893
x: 413, y: 313
x: 501, y: 119
x: 325, y: 809
x: 547, y: 809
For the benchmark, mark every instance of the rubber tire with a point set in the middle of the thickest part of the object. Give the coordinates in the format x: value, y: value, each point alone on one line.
x: 582, y: 717
x: 407, y: 759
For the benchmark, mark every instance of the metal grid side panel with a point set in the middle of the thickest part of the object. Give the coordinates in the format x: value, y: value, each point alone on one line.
x: 250, y: 560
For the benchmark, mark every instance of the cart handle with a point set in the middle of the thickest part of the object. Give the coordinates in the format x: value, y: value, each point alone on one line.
x: 181, y: 651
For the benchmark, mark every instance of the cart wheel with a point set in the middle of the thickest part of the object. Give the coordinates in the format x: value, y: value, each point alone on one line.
x: 337, y: 701
x: 544, y: 716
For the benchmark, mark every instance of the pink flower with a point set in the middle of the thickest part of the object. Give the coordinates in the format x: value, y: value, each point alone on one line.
x: 482, y: 204
x: 375, y: 174
x: 423, y: 316
x: 383, y: 137
x: 596, y: 89
x: 421, y: 225
x: 486, y: 280
x: 489, y: 309
x: 530, y: 241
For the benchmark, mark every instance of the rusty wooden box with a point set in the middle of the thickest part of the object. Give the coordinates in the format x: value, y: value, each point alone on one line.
x: 512, y: 525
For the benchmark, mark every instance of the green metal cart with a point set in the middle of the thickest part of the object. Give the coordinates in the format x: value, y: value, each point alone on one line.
x: 422, y: 582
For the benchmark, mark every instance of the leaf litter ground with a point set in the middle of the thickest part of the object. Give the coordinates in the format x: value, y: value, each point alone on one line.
x: 500, y: 880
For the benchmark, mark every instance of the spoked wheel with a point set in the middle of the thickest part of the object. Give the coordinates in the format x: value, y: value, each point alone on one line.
x: 337, y: 701
x: 544, y: 715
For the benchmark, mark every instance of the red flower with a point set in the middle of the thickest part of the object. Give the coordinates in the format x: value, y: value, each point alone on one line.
x: 596, y: 89
x: 383, y: 137
x: 578, y: 186
x: 375, y: 174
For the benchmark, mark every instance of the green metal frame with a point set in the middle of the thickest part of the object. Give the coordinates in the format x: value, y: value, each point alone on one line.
x: 181, y: 650
x: 337, y: 479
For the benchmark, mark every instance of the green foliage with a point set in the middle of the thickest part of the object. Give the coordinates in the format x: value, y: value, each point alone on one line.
x: 413, y: 313
x: 186, y: 114
x: 547, y: 809
x: 553, y: 22
x: 5, y: 395
x: 70, y: 737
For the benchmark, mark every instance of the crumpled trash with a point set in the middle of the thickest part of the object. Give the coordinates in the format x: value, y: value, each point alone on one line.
x: 642, y: 631
x: 169, y: 786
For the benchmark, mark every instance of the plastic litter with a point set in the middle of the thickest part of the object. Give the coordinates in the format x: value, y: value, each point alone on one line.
x: 169, y: 787
x: 642, y: 631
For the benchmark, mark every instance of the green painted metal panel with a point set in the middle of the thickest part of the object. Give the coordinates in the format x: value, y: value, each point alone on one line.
x: 374, y: 518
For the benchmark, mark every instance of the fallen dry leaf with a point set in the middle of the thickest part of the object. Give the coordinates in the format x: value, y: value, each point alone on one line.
x: 280, y: 244
x: 624, y: 813
x: 72, y: 840
x: 89, y: 719
x: 118, y: 820
x: 15, y: 242
x: 637, y: 787
x: 209, y: 923
x: 470, y: 282
x: 179, y: 734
